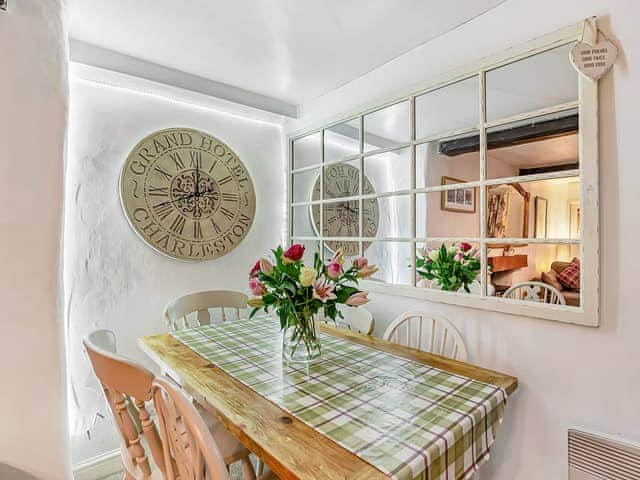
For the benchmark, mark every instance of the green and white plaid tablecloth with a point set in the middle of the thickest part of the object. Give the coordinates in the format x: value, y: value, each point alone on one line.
x: 409, y: 420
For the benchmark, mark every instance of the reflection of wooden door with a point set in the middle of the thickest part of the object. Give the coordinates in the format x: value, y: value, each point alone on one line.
x: 540, y: 224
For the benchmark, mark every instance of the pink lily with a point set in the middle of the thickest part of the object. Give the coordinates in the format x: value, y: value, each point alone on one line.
x: 323, y: 290
x: 357, y: 299
x: 333, y: 270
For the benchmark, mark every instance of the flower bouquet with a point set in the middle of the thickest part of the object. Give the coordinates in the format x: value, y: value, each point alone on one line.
x: 298, y: 292
x: 452, y: 268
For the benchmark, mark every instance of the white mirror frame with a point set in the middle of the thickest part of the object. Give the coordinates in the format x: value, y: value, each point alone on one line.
x: 587, y: 313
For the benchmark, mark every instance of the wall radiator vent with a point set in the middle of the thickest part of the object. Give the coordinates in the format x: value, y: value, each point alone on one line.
x: 594, y: 456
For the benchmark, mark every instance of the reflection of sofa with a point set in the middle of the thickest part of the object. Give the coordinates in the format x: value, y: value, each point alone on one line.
x: 571, y: 296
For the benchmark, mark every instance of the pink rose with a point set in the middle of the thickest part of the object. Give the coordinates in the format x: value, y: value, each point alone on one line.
x: 464, y: 246
x: 458, y: 257
x: 254, y: 270
x: 360, y: 262
x: 333, y: 270
x: 323, y: 290
x: 293, y: 253
x: 266, y: 266
x: 256, y: 287
x: 357, y: 299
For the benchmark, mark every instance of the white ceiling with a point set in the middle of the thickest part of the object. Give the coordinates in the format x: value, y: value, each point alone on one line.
x: 291, y: 50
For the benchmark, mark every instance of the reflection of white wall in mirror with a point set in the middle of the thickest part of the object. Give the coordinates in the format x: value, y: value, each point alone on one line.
x: 531, y: 84
x: 453, y: 107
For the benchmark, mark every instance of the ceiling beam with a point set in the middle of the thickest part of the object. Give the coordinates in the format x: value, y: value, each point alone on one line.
x: 92, y: 55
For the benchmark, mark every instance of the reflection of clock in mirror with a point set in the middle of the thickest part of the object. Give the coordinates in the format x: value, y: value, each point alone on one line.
x: 341, y: 218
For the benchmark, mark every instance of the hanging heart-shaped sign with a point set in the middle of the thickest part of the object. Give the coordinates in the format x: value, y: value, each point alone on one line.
x: 594, y: 60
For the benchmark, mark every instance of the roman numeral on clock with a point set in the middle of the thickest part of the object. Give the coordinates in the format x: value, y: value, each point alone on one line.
x: 158, y: 191
x: 215, y: 226
x: 230, y: 197
x: 227, y: 213
x: 213, y: 165
x: 196, y: 159
x: 225, y: 180
x: 197, y: 230
x: 163, y: 210
x: 163, y: 172
x: 178, y: 225
x: 175, y: 156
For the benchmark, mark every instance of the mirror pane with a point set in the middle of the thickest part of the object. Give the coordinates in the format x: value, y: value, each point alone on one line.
x: 465, y: 254
x: 389, y: 172
x: 536, y: 82
x: 548, y: 143
x: 301, y: 225
x: 342, y: 140
x: 539, y: 209
x: 543, y: 264
x: 393, y: 260
x: 448, y: 214
x: 387, y: 217
x: 387, y: 127
x: 307, y: 151
x: 303, y: 184
x: 450, y: 108
x: 453, y: 157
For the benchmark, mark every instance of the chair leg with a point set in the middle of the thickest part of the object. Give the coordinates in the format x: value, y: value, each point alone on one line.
x: 247, y: 469
x: 259, y: 466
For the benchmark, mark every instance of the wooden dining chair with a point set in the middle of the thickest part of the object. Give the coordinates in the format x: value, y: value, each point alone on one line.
x: 199, y: 304
x: 123, y: 379
x: 426, y: 332
x: 535, y: 292
x: 358, y: 319
x: 189, y: 450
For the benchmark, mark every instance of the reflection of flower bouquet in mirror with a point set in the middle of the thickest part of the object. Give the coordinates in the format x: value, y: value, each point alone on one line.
x: 452, y: 268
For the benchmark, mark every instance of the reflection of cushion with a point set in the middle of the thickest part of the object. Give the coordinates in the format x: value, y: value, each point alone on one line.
x: 570, y: 276
x: 551, y: 278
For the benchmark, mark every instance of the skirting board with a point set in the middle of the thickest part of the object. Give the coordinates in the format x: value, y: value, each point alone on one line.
x: 98, y: 467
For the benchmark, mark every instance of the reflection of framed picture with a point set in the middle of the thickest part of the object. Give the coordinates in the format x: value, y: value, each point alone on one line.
x: 462, y: 200
x: 541, y: 218
x: 574, y: 219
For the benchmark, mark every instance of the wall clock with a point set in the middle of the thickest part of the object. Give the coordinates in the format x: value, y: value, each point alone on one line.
x: 341, y: 218
x: 187, y: 194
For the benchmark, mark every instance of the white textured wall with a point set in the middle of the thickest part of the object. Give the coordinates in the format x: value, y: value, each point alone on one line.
x: 114, y: 280
x: 569, y: 375
x: 33, y: 111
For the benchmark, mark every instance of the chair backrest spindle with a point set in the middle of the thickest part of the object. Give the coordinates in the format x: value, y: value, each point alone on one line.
x: 443, y: 338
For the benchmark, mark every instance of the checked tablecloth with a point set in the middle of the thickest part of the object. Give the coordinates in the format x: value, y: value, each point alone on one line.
x: 409, y: 420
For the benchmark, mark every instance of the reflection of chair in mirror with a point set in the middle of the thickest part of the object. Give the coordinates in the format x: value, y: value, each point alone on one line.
x: 535, y: 292
x: 429, y: 333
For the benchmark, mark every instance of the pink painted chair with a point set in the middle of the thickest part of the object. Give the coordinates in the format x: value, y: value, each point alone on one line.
x: 128, y: 387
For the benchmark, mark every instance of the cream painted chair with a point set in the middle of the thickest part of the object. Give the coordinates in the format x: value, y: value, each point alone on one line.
x: 535, y: 292
x: 123, y: 379
x: 177, y: 314
x: 358, y: 319
x: 189, y: 450
x: 430, y: 333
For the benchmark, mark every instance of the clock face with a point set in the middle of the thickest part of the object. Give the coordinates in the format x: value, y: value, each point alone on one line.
x: 187, y: 194
x: 341, y: 218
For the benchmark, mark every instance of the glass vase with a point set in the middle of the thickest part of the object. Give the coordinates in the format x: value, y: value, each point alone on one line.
x: 301, y: 340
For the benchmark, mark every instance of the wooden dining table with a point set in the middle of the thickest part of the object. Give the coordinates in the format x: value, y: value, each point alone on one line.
x: 289, y: 446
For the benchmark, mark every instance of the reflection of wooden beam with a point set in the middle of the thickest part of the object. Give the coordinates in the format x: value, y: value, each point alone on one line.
x: 509, y: 136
